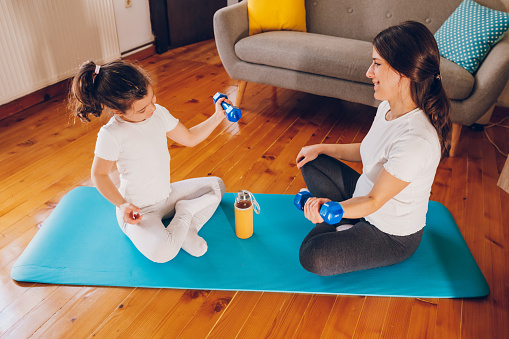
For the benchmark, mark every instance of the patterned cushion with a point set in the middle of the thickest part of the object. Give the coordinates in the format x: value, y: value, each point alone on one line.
x: 467, y: 36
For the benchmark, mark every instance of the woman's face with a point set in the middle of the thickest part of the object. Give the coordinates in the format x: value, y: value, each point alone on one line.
x: 386, y: 80
x: 141, y: 109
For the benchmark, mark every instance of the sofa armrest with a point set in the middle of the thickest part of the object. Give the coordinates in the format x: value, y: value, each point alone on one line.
x: 230, y: 25
x: 490, y: 80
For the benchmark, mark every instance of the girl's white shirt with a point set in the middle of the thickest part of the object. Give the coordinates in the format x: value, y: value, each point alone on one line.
x: 408, y: 148
x: 140, y: 151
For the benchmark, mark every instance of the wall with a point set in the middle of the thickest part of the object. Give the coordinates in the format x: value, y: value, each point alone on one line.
x: 45, y: 41
x: 133, y: 24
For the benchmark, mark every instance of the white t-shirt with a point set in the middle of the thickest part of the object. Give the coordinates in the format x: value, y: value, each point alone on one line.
x: 409, y: 149
x: 140, y: 150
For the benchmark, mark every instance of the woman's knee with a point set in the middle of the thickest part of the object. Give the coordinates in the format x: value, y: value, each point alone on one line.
x: 311, y: 167
x: 312, y: 259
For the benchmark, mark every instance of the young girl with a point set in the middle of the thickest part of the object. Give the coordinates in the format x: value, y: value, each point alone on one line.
x: 135, y: 140
x: 385, y: 207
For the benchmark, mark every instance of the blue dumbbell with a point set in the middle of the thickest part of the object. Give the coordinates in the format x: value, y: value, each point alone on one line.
x: 331, y: 212
x: 232, y: 112
x: 300, y: 199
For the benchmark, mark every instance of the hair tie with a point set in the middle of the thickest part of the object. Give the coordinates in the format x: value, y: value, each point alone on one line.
x: 97, y: 69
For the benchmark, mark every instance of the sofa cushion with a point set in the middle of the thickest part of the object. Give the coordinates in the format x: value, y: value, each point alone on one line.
x: 274, y: 15
x: 307, y: 52
x: 330, y: 56
x: 467, y: 36
x: 364, y: 19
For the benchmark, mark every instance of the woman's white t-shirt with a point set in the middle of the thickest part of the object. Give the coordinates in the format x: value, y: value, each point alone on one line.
x: 408, y: 148
x: 140, y: 150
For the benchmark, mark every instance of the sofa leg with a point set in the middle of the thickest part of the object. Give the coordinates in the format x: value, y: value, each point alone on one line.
x: 240, y: 92
x: 455, y: 137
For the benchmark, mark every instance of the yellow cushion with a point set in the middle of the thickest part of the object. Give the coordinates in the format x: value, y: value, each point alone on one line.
x: 275, y: 15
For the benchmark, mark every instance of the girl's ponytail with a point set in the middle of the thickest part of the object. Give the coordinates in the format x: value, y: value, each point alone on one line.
x: 83, y: 99
x: 114, y: 86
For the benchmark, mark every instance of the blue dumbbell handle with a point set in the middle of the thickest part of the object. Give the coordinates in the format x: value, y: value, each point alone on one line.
x: 232, y: 112
x: 227, y: 107
x: 331, y: 212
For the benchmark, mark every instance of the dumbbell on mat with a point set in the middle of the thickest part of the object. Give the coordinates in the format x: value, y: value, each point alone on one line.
x: 232, y: 112
x: 331, y: 212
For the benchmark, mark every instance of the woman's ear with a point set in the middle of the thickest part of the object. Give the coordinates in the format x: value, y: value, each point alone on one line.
x: 404, y: 81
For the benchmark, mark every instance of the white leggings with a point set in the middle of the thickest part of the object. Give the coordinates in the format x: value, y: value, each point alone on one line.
x: 190, y: 205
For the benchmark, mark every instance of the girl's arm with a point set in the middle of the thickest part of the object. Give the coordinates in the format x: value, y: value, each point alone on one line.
x: 100, y: 174
x: 348, y: 152
x: 385, y: 188
x: 193, y: 136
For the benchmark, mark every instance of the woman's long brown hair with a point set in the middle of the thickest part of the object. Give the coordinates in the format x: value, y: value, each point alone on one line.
x: 411, y: 50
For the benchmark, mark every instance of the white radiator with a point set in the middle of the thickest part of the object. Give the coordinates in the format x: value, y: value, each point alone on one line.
x: 45, y: 41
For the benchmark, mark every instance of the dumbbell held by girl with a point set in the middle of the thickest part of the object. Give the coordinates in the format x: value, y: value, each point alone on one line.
x: 233, y: 113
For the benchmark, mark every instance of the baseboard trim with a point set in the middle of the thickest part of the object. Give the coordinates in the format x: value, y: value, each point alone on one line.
x: 34, y: 98
x: 140, y: 54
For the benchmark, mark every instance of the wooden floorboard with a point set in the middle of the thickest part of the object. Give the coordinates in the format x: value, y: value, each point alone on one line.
x: 46, y: 154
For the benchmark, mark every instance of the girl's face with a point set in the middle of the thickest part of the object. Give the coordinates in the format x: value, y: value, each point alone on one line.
x: 386, y: 80
x: 141, y: 109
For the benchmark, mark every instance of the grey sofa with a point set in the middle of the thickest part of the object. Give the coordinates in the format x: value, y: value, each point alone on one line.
x: 332, y: 58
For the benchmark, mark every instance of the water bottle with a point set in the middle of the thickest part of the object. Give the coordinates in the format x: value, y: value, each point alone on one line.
x: 233, y: 113
x: 331, y: 212
x: 244, y: 205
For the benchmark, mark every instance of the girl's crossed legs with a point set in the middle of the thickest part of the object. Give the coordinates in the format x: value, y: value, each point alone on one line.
x: 190, y: 205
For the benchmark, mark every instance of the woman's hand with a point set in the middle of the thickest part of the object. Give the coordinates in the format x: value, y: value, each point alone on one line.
x: 307, y: 154
x: 312, y: 209
x: 131, y: 214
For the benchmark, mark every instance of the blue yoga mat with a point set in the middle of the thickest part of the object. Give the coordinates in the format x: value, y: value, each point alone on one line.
x: 81, y: 244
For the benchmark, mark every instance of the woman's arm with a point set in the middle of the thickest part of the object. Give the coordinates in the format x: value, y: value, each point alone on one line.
x: 196, y: 134
x: 385, y: 188
x: 100, y: 174
x: 347, y: 152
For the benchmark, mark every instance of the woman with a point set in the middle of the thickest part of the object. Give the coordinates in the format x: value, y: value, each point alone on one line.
x: 385, y: 207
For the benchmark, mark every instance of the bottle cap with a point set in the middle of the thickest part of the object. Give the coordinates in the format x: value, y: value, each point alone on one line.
x: 246, y: 195
x: 243, y: 195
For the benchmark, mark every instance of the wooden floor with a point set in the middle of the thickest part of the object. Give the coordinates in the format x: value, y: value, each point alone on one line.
x: 44, y: 155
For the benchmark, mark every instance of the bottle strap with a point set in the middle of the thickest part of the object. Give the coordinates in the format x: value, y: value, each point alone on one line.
x: 256, y: 207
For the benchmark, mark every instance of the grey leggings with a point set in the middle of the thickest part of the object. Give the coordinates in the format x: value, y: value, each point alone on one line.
x: 326, y: 251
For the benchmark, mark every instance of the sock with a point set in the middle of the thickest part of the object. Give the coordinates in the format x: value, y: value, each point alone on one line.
x: 202, y: 209
x: 194, y: 244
